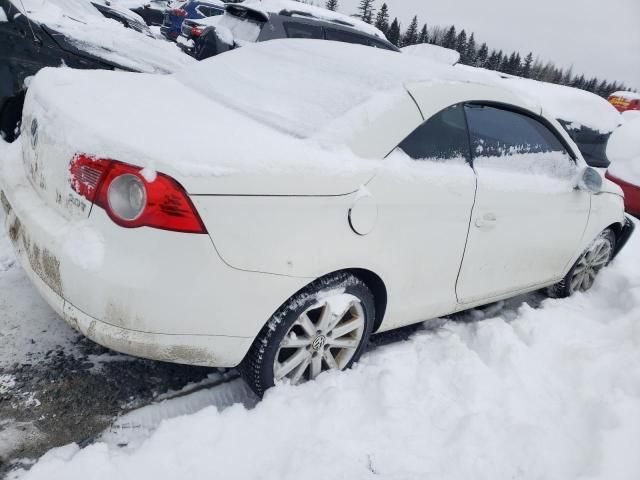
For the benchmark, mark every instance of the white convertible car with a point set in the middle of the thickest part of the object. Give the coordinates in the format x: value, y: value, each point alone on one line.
x: 314, y: 193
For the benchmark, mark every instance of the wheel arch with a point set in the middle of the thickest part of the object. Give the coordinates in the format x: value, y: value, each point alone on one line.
x: 378, y: 289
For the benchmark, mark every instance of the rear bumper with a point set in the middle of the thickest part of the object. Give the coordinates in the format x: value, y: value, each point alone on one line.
x: 154, y: 294
x: 43, y: 269
x: 169, y: 32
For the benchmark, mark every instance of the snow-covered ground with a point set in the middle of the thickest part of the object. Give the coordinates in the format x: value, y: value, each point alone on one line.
x: 549, y: 392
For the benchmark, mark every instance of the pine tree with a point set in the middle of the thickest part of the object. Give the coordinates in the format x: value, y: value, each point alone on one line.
x: 411, y: 35
x: 470, y: 53
x: 482, y: 57
x: 382, y: 19
x: 393, y: 34
x: 492, y: 62
x: 461, y: 43
x: 332, y: 5
x: 526, y: 67
x: 449, y: 40
x: 424, y: 35
x: 365, y: 10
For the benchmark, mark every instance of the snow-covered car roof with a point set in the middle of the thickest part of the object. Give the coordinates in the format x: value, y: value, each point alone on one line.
x: 433, y: 52
x: 572, y: 105
x: 302, y: 85
x: 88, y: 30
x: 627, y: 95
x: 290, y: 7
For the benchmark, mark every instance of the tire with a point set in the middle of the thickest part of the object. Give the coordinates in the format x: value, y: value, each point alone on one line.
x: 583, y: 273
x: 296, y: 344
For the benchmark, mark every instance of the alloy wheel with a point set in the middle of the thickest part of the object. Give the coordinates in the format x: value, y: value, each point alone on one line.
x: 587, y: 268
x: 325, y: 336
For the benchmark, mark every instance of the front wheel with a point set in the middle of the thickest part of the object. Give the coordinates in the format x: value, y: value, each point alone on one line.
x: 583, y: 273
x: 324, y: 327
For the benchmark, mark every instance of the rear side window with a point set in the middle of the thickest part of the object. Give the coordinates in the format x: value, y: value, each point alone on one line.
x: 302, y: 30
x: 442, y: 137
x: 344, y: 36
x: 495, y: 132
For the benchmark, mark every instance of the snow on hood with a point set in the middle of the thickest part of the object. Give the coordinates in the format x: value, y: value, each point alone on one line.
x: 433, y: 52
x: 276, y: 6
x: 623, y: 150
x: 578, y: 107
x: 90, y: 31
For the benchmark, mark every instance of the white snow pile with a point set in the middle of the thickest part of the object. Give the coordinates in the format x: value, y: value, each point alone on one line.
x: 578, y: 107
x: 433, y: 52
x: 105, y: 38
x: 623, y: 150
x: 260, y: 119
x: 3, y: 15
x: 550, y: 393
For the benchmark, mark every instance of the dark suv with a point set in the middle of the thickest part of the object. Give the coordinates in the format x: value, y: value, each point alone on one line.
x: 248, y: 23
x: 28, y: 43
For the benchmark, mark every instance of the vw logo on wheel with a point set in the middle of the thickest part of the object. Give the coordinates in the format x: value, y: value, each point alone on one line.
x: 319, y: 342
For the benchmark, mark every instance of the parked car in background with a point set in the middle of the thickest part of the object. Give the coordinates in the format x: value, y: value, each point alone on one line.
x: 336, y: 199
x: 151, y: 11
x: 624, y: 151
x: 624, y: 101
x: 259, y: 21
x: 173, y: 17
x: 122, y: 15
x: 39, y: 34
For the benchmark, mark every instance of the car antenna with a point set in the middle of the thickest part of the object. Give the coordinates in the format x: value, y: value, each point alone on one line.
x: 29, y: 22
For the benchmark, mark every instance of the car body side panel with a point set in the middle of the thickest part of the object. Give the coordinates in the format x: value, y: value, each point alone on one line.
x: 417, y: 213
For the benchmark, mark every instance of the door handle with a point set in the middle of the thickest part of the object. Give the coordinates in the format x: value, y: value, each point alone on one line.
x: 487, y: 220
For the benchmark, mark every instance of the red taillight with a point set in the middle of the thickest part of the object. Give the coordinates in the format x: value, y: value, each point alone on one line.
x: 109, y: 184
x: 196, y: 32
x: 178, y: 12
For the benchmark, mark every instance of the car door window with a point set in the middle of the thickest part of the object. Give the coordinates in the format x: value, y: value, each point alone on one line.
x: 442, y: 137
x: 302, y: 30
x: 502, y: 139
x: 344, y: 36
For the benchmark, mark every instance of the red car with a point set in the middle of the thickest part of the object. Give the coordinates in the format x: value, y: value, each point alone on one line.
x: 631, y: 195
x: 624, y: 101
x: 623, y: 149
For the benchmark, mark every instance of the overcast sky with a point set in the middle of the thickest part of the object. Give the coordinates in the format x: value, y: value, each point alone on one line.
x: 597, y: 37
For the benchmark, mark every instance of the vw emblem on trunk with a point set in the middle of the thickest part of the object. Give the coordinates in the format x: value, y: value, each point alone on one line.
x: 34, y: 133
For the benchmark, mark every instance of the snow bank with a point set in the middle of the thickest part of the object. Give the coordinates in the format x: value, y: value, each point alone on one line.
x: 548, y: 393
x: 91, y: 32
x: 623, y: 150
x: 433, y: 52
x: 570, y: 104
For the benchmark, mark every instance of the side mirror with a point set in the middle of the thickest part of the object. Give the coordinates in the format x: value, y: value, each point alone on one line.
x: 590, y: 180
